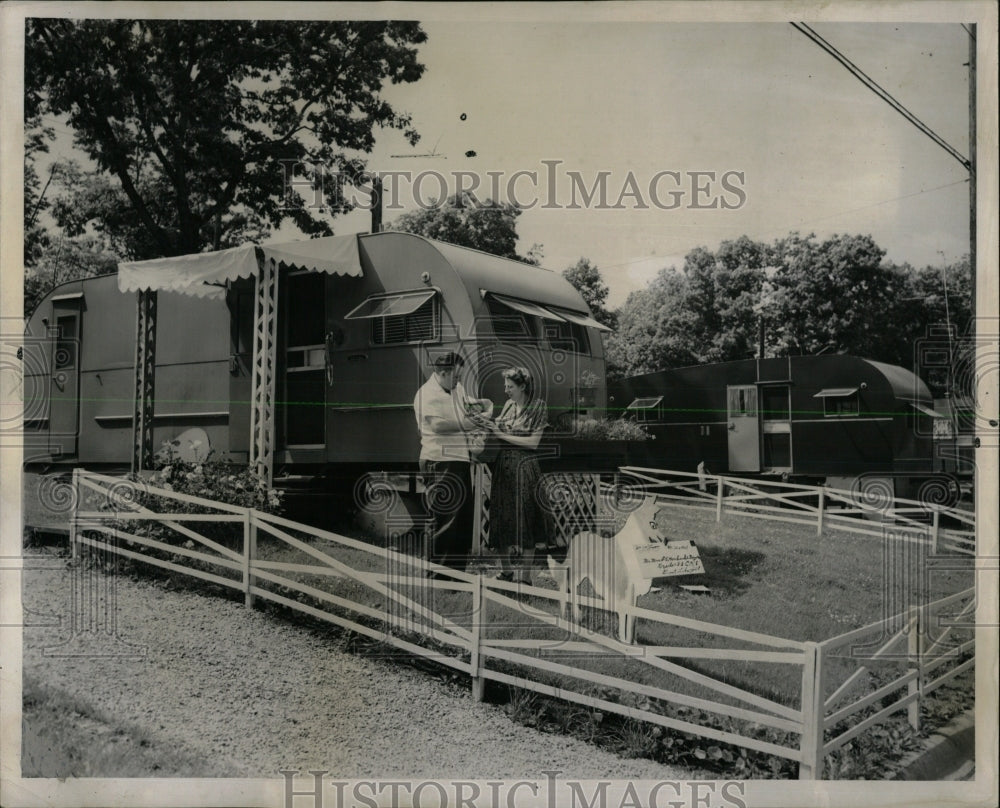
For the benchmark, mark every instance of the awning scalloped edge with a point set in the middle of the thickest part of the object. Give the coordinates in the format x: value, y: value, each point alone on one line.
x: 204, y: 274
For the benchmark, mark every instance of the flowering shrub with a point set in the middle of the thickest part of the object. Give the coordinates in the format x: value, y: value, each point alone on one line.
x: 217, y: 481
x: 212, y: 480
x: 609, y: 429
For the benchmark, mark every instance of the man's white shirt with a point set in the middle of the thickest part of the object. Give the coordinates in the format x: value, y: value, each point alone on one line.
x: 448, y: 442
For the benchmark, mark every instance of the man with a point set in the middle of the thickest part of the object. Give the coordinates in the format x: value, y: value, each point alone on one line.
x: 440, y: 407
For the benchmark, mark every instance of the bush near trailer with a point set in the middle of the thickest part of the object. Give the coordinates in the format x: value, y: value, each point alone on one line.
x: 759, y: 575
x: 212, y: 547
x: 620, y: 429
x: 218, y: 481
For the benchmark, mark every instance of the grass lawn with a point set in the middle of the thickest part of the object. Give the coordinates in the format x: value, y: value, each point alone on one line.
x: 769, y: 577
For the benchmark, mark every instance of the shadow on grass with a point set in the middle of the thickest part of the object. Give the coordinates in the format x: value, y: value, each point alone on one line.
x: 726, y: 570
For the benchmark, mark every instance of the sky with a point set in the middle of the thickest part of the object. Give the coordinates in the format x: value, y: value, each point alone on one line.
x: 804, y: 144
x: 817, y: 150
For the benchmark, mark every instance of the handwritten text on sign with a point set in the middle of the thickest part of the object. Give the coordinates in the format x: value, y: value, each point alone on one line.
x: 664, y: 560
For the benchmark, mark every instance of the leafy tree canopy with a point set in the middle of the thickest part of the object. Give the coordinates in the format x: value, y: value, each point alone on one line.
x: 65, y: 259
x: 36, y: 201
x: 202, y: 123
x: 654, y: 329
x: 834, y: 295
x: 464, y: 220
x: 723, y: 294
x: 586, y: 279
x: 837, y: 295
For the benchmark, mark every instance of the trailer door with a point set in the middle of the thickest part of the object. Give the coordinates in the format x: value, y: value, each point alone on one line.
x: 744, y: 428
x: 776, y: 416
x: 301, y: 405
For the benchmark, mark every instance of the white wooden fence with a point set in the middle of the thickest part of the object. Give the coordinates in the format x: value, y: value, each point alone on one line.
x: 821, y: 507
x: 387, y: 596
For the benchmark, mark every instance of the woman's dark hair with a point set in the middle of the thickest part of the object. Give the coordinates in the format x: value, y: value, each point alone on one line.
x: 522, y: 378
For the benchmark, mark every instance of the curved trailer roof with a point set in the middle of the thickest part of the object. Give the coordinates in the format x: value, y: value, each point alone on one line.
x: 503, y: 276
x: 204, y: 274
x: 904, y: 384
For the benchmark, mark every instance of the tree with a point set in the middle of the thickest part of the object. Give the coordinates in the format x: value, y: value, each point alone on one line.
x: 93, y: 203
x: 654, y: 329
x: 36, y: 141
x: 464, y: 220
x: 586, y: 279
x: 946, y: 295
x: 205, y: 124
x: 837, y: 295
x: 939, y: 319
x: 723, y: 295
x: 741, y: 278
x: 65, y: 259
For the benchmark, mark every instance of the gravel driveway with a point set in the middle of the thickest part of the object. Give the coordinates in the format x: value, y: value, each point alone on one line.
x: 254, y: 694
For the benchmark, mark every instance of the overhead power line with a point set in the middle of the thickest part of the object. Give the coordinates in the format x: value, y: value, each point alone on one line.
x: 791, y: 227
x: 866, y: 207
x: 872, y: 85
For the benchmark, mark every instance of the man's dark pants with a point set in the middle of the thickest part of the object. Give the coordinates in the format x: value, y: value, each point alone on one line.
x: 449, y: 500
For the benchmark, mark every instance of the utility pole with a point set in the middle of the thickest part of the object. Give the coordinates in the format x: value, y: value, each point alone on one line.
x: 377, y: 191
x: 972, y: 170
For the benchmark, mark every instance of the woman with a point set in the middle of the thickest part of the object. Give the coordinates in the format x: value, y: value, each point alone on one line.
x: 517, y: 522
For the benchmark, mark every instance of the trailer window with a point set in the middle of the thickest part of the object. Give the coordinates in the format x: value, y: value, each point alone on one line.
x: 942, y: 427
x: 401, y: 318
x: 645, y: 410
x: 774, y: 403
x: 922, y: 420
x: 567, y: 336
x: 419, y: 326
x: 510, y: 325
x: 839, y: 402
x: 742, y: 402
x: 574, y: 334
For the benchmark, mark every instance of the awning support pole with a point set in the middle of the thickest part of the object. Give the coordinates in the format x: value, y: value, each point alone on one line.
x: 145, y: 373
x: 264, y: 369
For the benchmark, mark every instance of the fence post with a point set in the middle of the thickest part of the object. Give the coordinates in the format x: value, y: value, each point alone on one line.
x: 915, y: 661
x: 813, y: 714
x: 718, y: 499
x: 822, y: 505
x: 249, y: 554
x: 75, y: 500
x: 478, y: 617
x: 475, y: 548
x: 935, y: 531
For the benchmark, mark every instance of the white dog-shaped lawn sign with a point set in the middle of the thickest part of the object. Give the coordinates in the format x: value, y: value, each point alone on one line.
x: 613, y: 566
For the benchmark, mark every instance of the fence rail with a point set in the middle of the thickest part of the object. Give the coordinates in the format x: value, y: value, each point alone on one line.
x: 867, y: 514
x: 453, y: 623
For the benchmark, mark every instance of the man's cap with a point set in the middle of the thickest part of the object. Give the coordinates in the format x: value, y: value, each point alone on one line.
x: 448, y: 360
